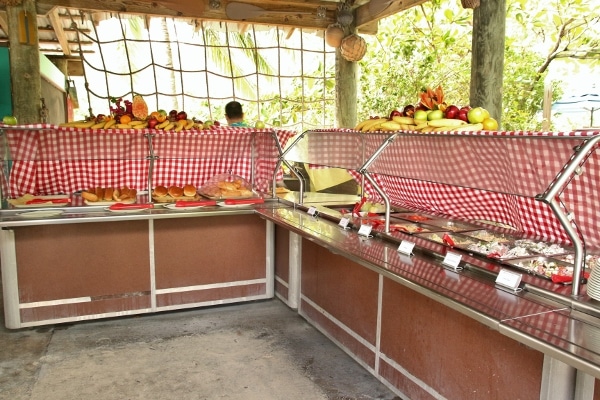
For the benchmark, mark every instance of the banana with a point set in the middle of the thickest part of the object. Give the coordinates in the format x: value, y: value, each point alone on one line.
x: 110, y: 123
x: 428, y: 129
x: 391, y: 126
x: 99, y: 125
x: 169, y: 126
x: 180, y: 125
x: 376, y: 126
x: 190, y: 124
x: 72, y: 123
x: 87, y: 124
x: 163, y: 124
x: 122, y: 126
x: 372, y: 122
x: 404, y: 120
x: 361, y: 124
x: 137, y: 122
x: 446, y: 122
x: 469, y: 128
x: 421, y: 125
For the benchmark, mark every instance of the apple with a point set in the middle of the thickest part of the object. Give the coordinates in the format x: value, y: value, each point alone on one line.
x: 216, y: 123
x: 181, y: 115
x: 259, y: 125
x: 152, y: 122
x: 208, y: 124
x: 476, y: 115
x: 452, y: 111
x: 420, y: 115
x: 408, y: 110
x: 395, y: 113
x: 173, y: 114
x: 9, y: 120
x: 435, y: 114
x: 463, y: 115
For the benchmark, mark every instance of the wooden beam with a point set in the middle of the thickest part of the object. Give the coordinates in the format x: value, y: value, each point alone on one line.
x: 364, y: 15
x: 4, y: 22
x: 61, y: 36
x: 199, y: 9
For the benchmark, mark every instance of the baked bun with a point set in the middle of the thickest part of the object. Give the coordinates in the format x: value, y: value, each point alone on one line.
x: 108, y: 194
x: 227, y: 185
x: 175, y: 191
x: 160, y: 191
x: 89, y: 196
x: 189, y: 190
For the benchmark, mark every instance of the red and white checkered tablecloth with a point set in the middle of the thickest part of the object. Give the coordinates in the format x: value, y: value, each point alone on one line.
x: 46, y: 159
x: 491, y: 176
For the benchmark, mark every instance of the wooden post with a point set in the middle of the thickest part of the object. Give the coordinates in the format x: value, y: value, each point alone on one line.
x: 24, y: 54
x: 345, y: 90
x: 487, y: 60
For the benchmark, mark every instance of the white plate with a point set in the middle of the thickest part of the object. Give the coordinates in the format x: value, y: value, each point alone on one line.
x: 222, y: 204
x: 127, y: 210
x: 42, y: 205
x: 40, y: 214
x: 172, y: 206
x: 107, y: 203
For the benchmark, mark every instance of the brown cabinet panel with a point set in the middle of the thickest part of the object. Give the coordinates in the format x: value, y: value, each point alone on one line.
x: 448, y: 351
x: 80, y: 260
x: 343, y: 288
x: 207, y: 250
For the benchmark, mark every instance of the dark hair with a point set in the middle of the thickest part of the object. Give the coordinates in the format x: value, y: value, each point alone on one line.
x: 233, y: 109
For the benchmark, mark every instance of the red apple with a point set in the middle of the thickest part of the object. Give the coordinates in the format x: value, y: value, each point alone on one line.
x: 152, y: 122
x: 463, y: 115
x: 173, y: 114
x: 181, y: 115
x: 395, y: 113
x: 216, y: 123
x: 408, y: 110
x: 452, y: 112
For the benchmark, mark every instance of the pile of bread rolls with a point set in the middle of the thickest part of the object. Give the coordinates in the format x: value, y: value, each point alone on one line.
x: 162, y: 194
x: 224, y: 189
x: 100, y: 194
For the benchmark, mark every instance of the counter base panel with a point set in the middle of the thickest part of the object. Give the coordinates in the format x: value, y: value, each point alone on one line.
x: 213, y: 296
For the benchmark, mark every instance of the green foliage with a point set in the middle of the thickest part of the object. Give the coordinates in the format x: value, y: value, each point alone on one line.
x: 430, y: 45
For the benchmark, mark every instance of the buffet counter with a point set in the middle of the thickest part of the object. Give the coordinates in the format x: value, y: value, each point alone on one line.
x: 429, y: 330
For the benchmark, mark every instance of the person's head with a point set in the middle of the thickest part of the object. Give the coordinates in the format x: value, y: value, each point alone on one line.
x: 234, y: 112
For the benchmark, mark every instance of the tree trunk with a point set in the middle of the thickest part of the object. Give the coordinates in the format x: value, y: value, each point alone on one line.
x: 487, y: 60
x: 24, y: 62
x: 345, y: 90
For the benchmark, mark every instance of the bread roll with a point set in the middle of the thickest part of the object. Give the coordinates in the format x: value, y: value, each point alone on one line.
x: 116, y: 194
x: 89, y: 196
x: 160, y: 191
x: 189, y: 190
x: 108, y: 194
x: 227, y: 185
x: 99, y: 193
x: 175, y: 191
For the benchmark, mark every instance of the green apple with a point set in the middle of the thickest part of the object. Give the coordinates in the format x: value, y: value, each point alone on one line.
x: 420, y: 115
x: 9, y: 120
x: 259, y: 125
x: 476, y: 115
x: 435, y: 114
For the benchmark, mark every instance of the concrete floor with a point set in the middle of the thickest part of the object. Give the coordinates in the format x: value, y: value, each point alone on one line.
x: 253, y: 351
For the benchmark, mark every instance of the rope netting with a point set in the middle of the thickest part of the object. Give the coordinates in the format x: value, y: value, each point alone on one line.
x: 283, y: 77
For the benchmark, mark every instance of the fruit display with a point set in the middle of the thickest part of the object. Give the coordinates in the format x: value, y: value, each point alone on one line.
x: 135, y: 115
x: 431, y: 114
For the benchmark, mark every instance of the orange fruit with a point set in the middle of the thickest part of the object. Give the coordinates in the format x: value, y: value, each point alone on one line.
x: 161, y: 118
x: 125, y: 119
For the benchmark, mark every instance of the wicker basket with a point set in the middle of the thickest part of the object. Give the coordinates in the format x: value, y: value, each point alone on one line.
x: 353, y: 48
x: 470, y: 3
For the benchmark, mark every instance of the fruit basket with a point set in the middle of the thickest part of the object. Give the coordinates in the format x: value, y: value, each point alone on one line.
x: 227, y: 186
